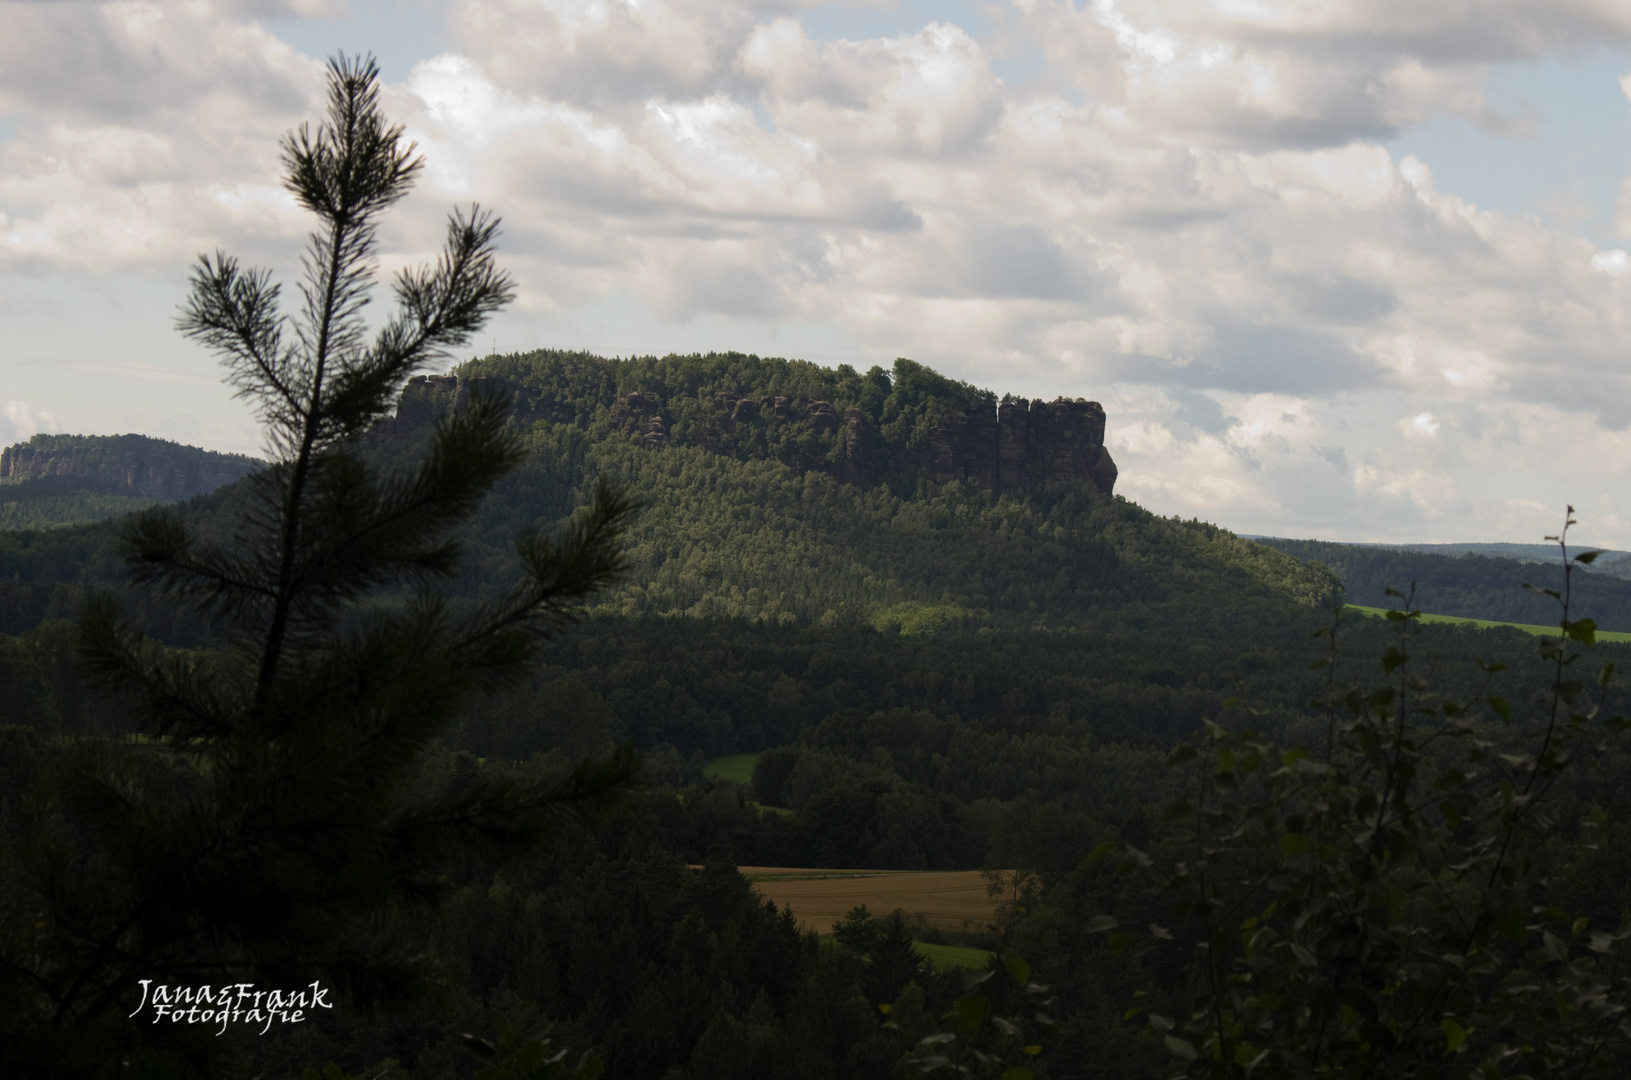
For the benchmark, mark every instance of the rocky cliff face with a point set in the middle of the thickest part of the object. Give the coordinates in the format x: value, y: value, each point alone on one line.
x: 124, y: 465
x: 1011, y: 444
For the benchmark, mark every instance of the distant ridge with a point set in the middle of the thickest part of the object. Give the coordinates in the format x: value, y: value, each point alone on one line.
x: 57, y: 480
x: 137, y: 465
x: 1519, y: 552
x: 1612, y: 562
x: 1465, y: 581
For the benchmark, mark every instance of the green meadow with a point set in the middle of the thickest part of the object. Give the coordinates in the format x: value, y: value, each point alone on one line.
x: 737, y: 768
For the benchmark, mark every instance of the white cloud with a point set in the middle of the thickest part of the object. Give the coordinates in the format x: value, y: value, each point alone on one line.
x: 1615, y: 263
x: 23, y: 422
x: 144, y: 133
x: 1423, y: 424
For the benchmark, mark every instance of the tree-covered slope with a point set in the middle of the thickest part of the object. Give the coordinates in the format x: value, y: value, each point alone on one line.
x: 750, y: 534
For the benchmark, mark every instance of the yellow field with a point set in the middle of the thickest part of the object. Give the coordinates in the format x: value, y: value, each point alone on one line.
x: 954, y: 900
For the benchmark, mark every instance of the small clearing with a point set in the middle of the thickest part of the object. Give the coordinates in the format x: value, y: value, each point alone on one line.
x: 737, y: 768
x: 948, y: 957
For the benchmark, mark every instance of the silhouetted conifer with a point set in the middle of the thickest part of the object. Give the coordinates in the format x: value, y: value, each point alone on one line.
x: 266, y: 824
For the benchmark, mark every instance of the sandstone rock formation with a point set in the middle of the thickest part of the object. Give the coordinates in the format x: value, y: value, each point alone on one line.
x: 1011, y: 444
x: 124, y: 465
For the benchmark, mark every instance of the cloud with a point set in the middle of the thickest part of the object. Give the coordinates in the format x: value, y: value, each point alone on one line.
x: 105, y: 63
x: 1280, y: 73
x: 932, y: 92
x: 1200, y: 412
x: 19, y: 422
x: 143, y: 133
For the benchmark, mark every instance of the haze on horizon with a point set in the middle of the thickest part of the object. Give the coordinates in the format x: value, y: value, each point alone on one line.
x: 1352, y: 270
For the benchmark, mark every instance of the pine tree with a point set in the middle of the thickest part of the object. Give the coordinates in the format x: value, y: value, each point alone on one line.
x: 266, y: 823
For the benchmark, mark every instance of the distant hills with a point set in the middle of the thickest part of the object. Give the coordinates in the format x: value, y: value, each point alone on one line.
x: 1609, y: 561
x: 56, y: 480
x: 1470, y: 583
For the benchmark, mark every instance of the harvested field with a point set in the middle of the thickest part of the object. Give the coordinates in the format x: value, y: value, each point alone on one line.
x: 954, y: 900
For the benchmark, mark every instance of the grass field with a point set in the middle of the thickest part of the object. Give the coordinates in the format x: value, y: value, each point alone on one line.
x: 737, y: 768
x: 952, y: 900
x: 946, y: 957
x: 1528, y: 628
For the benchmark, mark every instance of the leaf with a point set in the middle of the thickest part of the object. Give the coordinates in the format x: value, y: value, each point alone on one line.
x: 1582, y: 630
x: 971, y: 978
x: 1294, y: 844
x: 1455, y: 1036
x: 972, y: 1009
x: 1309, y: 960
x: 1180, y: 1048
x: 1512, y: 923
x: 1182, y: 754
x: 1555, y: 948
x: 1017, y: 1073
x: 1019, y: 969
x: 1587, y: 557
x: 1100, y: 923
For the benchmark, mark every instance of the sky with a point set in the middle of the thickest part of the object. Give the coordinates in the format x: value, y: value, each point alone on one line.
x: 1346, y: 269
